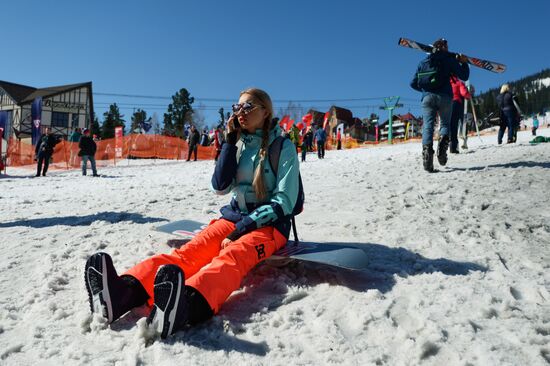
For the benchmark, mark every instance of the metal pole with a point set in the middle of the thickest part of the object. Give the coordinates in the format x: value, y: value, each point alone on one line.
x: 475, y: 119
x: 390, y: 129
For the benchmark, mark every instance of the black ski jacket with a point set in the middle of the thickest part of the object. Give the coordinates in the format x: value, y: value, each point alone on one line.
x: 87, y: 146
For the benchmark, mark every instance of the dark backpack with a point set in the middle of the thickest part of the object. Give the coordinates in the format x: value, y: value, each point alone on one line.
x: 274, y: 154
x: 429, y: 75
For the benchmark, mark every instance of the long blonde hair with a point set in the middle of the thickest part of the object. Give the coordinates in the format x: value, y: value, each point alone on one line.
x: 504, y: 88
x: 263, y: 99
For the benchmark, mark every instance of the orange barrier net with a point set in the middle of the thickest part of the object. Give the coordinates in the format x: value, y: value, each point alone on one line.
x: 135, y: 146
x: 109, y: 151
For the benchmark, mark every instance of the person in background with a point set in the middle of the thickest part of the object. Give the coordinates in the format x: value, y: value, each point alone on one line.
x: 74, y: 139
x: 204, y: 138
x: 294, y: 136
x: 509, y: 114
x: 321, y: 138
x: 87, y: 151
x: 460, y: 92
x: 433, y: 79
x: 44, y: 150
x: 309, y: 139
x: 338, y: 139
x: 194, y: 137
x: 535, y: 125
x: 304, y: 147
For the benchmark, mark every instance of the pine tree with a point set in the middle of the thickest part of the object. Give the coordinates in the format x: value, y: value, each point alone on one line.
x: 95, y: 129
x: 168, y: 129
x: 533, y: 96
x: 180, y: 112
x: 112, y: 119
x: 221, y: 121
x: 138, y: 118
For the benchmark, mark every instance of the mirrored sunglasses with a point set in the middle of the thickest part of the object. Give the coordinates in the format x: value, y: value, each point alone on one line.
x: 244, y: 108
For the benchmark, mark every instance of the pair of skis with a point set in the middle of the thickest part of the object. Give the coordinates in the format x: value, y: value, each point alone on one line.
x: 478, y: 62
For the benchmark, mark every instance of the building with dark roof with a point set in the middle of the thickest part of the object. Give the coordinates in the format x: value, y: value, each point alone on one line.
x: 64, y: 107
x: 403, y: 126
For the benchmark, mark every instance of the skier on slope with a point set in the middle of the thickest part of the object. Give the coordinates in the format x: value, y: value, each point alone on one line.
x: 432, y: 78
x: 190, y: 284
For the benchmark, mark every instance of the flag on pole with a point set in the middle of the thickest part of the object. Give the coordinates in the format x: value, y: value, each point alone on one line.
x: 325, y: 121
x: 36, y: 116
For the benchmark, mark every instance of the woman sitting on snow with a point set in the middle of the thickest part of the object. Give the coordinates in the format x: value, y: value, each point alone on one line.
x: 190, y: 284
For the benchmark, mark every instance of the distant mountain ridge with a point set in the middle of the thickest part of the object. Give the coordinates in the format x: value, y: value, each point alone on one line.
x: 533, y: 94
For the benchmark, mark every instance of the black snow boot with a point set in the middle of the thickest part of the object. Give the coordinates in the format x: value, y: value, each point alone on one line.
x: 428, y: 157
x: 442, y: 146
x: 170, y: 311
x: 110, y: 295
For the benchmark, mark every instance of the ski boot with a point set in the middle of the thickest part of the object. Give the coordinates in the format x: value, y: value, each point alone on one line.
x: 428, y: 157
x: 170, y: 311
x: 442, y: 146
x: 110, y: 295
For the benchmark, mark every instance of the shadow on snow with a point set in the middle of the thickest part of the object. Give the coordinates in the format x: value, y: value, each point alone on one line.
x: 110, y: 217
x: 266, y: 288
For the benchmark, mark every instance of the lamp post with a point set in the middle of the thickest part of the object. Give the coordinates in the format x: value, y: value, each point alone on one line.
x: 390, y: 105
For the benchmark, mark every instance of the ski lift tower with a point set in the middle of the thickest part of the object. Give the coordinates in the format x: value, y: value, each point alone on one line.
x: 390, y: 103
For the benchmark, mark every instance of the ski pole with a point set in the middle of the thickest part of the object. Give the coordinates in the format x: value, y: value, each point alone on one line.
x: 475, y: 119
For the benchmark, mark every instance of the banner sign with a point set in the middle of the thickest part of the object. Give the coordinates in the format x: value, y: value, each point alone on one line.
x: 3, y: 122
x: 36, y: 116
x: 118, y: 142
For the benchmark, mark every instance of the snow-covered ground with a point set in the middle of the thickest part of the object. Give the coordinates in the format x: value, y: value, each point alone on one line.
x: 458, y: 274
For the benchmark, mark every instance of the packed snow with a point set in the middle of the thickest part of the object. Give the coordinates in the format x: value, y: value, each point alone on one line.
x: 458, y: 272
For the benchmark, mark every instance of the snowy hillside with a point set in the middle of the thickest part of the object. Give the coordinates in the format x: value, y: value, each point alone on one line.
x: 459, y: 270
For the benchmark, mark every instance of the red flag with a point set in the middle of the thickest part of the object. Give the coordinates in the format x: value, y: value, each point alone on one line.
x: 284, y: 123
x: 325, y: 121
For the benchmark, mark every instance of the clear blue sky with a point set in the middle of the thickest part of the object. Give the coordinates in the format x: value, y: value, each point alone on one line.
x: 295, y: 50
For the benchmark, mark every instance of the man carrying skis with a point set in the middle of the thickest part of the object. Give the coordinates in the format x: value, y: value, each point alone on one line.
x: 432, y: 78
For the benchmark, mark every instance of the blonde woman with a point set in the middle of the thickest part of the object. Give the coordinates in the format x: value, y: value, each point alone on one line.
x: 190, y: 284
x: 509, y: 114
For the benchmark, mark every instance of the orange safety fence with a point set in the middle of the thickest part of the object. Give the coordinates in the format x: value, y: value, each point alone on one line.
x: 134, y: 146
x: 109, y: 151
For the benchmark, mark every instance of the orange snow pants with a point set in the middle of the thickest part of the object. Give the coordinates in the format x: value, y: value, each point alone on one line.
x: 212, y: 270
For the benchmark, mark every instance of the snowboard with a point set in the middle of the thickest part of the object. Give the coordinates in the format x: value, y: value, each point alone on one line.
x: 481, y: 63
x: 338, y: 255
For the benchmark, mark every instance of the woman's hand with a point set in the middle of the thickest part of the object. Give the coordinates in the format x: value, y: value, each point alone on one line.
x: 232, y: 130
x: 232, y: 123
x: 226, y: 242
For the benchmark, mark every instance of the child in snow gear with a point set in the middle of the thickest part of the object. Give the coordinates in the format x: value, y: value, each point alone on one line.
x: 432, y: 78
x: 190, y: 284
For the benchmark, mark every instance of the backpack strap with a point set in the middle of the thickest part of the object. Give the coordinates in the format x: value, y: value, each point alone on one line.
x: 274, y: 155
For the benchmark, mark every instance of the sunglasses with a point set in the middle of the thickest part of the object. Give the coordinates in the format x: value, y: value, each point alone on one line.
x: 244, y: 108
